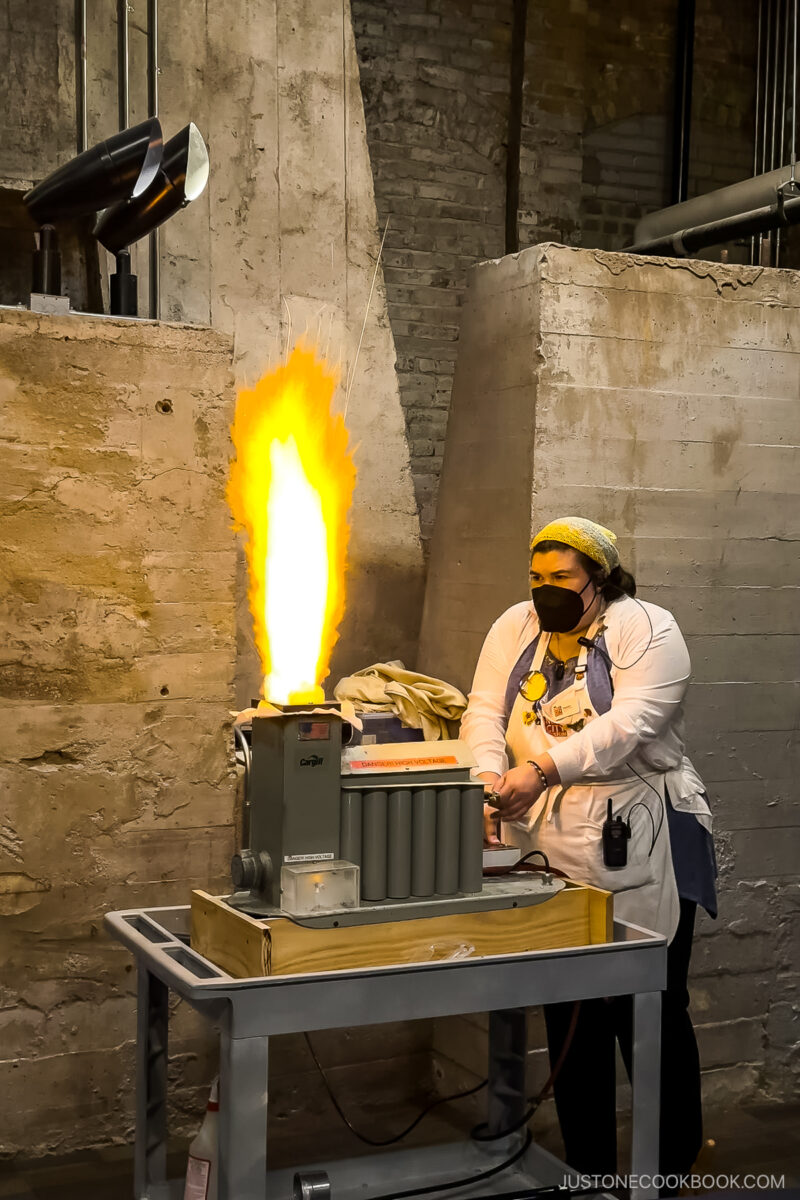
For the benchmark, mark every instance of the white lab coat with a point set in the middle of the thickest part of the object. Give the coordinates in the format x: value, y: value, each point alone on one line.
x: 642, y: 732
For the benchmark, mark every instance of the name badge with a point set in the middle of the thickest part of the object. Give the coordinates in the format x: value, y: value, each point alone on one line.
x: 563, y: 709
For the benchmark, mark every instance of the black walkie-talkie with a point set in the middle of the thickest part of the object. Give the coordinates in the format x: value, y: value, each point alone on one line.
x: 616, y: 832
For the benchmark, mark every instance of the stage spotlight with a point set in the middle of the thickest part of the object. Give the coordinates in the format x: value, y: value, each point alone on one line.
x: 120, y: 167
x: 180, y: 178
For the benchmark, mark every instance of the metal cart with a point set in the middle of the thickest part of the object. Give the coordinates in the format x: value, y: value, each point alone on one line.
x: 249, y: 1011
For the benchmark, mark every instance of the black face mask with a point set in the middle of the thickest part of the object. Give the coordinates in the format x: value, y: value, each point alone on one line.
x: 559, y: 609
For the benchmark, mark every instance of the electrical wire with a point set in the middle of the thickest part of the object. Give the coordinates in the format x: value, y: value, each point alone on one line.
x: 478, y: 1133
x: 522, y: 864
x: 604, y: 653
x: 546, y: 1190
x: 465, y: 1181
x: 660, y: 801
x: 475, y: 1134
x: 390, y: 1141
x: 641, y: 804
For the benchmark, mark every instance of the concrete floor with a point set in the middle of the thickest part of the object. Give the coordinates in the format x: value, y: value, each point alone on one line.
x: 755, y: 1139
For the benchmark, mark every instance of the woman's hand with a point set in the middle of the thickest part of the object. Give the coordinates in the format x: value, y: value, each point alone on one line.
x: 491, y: 824
x: 517, y: 791
x: 491, y: 819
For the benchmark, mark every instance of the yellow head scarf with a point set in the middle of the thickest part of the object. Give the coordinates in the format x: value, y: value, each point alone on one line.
x: 595, y: 541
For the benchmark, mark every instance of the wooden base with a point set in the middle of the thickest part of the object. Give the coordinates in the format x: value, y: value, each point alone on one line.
x: 245, y: 947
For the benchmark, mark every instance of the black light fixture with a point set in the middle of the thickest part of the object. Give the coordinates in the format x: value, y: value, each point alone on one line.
x: 180, y: 178
x: 121, y: 166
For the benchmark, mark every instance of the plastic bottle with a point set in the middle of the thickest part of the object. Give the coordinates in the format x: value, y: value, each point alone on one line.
x: 201, y: 1169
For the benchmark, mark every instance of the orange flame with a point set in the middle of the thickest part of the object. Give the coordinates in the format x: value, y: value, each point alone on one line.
x: 290, y: 489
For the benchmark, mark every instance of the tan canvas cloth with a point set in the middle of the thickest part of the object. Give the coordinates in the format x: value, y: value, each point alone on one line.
x: 419, y: 700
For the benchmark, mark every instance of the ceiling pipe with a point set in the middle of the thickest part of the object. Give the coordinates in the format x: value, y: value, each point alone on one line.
x: 738, y: 198
x: 683, y: 243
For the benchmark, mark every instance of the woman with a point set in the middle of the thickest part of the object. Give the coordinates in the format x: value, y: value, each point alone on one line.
x: 577, y: 701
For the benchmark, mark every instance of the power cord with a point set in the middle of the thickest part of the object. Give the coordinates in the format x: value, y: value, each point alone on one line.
x: 480, y: 1133
x: 525, y: 864
x: 660, y: 801
x: 477, y: 1133
x: 465, y: 1181
x: 582, y: 641
x: 390, y: 1141
x: 478, y: 1136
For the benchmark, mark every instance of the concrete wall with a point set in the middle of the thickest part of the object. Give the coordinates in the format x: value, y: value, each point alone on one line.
x: 283, y: 242
x: 660, y: 398
x: 116, y: 678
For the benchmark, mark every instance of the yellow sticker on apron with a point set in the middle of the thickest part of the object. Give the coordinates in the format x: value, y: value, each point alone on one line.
x: 533, y: 686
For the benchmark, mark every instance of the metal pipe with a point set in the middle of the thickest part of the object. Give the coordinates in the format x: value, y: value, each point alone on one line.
x: 772, y: 159
x: 758, y: 85
x: 782, y: 137
x: 682, y: 243
x: 82, y: 118
x: 152, y: 111
x: 785, y: 79
x: 682, y: 108
x: 123, y: 99
x: 794, y: 89
x: 514, y: 138
x: 756, y: 146
x: 765, y: 115
x: 729, y: 201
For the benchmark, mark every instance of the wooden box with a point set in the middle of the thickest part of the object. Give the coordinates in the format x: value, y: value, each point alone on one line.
x: 244, y: 946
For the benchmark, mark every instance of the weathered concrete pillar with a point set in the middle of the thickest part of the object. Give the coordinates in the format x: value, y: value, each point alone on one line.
x: 117, y: 656
x: 284, y: 243
x: 661, y: 398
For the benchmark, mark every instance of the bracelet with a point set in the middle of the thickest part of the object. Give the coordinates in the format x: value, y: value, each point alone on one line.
x: 539, y: 771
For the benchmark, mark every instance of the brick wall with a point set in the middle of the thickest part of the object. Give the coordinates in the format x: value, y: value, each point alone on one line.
x: 595, y: 150
x: 435, y: 84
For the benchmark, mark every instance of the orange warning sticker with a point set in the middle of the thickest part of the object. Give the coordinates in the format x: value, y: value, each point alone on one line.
x: 446, y: 760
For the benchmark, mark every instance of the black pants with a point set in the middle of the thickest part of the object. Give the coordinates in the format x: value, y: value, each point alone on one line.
x: 585, y: 1090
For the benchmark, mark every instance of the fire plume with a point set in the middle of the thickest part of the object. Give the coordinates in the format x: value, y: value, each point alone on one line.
x: 290, y: 489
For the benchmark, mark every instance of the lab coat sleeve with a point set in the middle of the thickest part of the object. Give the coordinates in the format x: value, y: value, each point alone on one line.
x: 483, y: 726
x: 647, y: 697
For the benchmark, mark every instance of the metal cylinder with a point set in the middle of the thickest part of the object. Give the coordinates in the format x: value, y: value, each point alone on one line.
x: 448, y: 847
x: 350, y: 827
x: 423, y: 843
x: 311, y: 1185
x: 374, y: 827
x: 47, y: 263
x: 123, y: 295
x: 470, y: 875
x: 398, y: 874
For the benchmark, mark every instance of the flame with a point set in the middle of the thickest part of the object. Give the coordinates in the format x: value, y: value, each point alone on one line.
x: 290, y: 489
